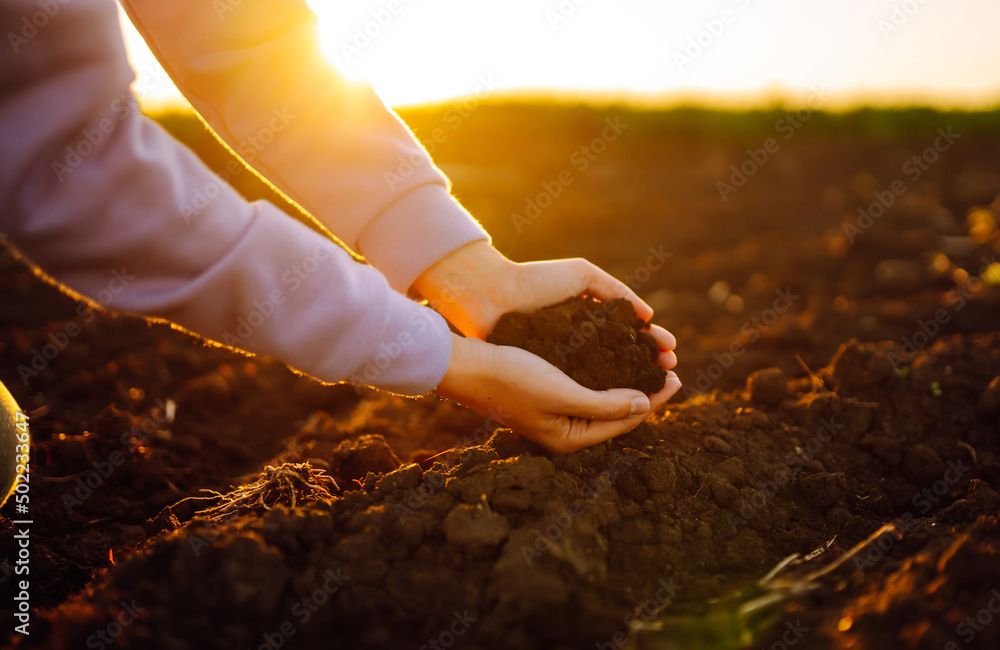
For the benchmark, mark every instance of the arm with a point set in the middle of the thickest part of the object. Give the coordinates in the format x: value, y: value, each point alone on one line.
x: 256, y: 74
x: 91, y: 191
x: 351, y: 163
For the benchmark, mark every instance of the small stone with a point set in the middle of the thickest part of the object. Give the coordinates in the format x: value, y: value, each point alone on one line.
x: 406, y: 477
x: 733, y: 471
x: 470, y: 525
x: 658, y: 474
x: 861, y: 366
x: 768, y: 387
x: 717, y: 445
x: 507, y: 444
x: 922, y: 465
x: 823, y: 491
x: 355, y: 459
x: 989, y: 401
x: 514, y: 498
x: 723, y: 493
x: 475, y: 457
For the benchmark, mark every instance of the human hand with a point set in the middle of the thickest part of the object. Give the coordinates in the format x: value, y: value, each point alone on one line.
x: 475, y: 285
x: 540, y: 402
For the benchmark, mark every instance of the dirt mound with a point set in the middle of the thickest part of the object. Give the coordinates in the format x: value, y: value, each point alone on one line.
x: 511, y: 548
x: 600, y: 345
x: 677, y: 521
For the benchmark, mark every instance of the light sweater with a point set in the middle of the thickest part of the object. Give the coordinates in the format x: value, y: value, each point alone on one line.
x: 105, y: 202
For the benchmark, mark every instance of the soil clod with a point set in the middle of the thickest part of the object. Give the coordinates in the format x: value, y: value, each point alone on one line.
x: 600, y: 345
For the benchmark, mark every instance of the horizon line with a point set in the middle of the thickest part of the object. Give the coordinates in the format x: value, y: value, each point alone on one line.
x: 682, y: 100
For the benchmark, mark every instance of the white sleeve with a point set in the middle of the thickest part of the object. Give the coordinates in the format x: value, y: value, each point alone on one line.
x: 256, y: 74
x: 92, y: 192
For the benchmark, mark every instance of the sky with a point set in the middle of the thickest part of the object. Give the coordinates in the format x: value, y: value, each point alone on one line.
x: 727, y: 52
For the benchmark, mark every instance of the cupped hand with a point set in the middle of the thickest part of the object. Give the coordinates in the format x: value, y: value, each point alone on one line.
x: 540, y: 402
x: 475, y: 285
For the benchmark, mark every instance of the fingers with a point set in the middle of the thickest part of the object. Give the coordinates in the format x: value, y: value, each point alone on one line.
x: 612, y: 404
x: 668, y: 360
x: 663, y: 338
x: 670, y: 388
x: 666, y: 342
x: 580, y: 434
x: 573, y: 434
x: 605, y: 287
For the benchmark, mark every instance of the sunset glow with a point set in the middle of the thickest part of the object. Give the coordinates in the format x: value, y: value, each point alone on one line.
x: 733, y: 51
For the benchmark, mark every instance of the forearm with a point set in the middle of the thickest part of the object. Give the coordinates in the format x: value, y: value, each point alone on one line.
x: 94, y: 194
x: 257, y: 76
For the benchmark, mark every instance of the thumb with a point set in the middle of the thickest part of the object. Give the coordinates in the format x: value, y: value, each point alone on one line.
x: 614, y: 404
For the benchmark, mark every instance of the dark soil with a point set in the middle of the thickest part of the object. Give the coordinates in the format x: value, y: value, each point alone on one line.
x: 599, y: 345
x: 554, y: 552
x: 841, y: 407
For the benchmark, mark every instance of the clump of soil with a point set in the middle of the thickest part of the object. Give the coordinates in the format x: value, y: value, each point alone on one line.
x: 601, y: 345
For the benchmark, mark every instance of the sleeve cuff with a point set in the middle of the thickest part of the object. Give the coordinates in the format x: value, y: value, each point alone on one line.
x: 412, y: 353
x: 417, y: 231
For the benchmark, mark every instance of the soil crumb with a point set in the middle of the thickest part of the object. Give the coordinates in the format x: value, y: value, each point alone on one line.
x: 601, y: 345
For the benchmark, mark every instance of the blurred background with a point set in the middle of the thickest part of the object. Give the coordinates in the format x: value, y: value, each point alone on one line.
x: 737, y: 53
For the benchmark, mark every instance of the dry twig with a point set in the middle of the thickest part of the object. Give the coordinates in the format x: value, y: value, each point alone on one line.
x: 290, y: 484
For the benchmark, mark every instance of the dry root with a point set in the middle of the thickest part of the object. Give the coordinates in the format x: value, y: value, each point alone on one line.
x: 288, y: 484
